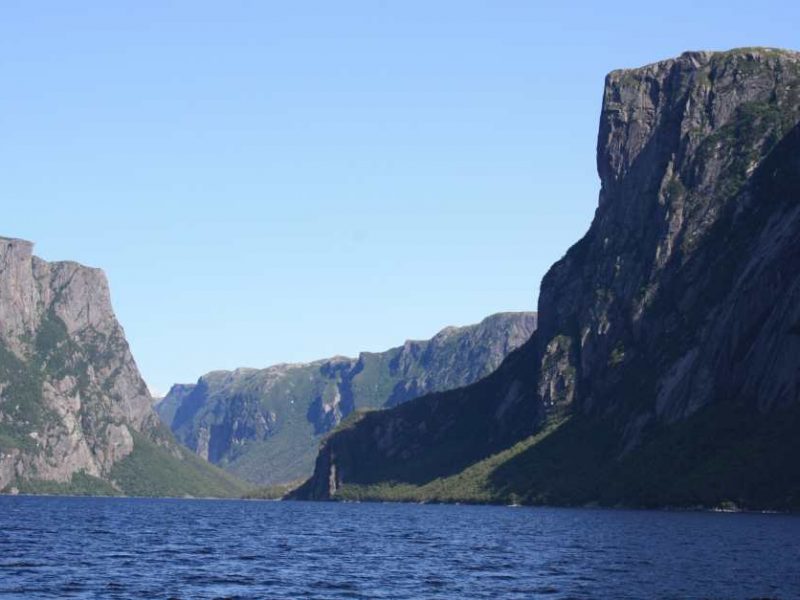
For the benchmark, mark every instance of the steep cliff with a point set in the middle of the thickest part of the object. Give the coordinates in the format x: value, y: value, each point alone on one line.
x: 684, y: 286
x: 75, y: 414
x: 666, y: 365
x: 265, y: 424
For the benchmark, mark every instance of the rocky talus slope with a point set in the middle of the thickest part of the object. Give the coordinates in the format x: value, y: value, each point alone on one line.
x: 75, y: 414
x: 665, y: 369
x: 265, y: 424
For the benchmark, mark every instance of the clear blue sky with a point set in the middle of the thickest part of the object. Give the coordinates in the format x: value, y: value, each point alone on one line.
x: 269, y: 182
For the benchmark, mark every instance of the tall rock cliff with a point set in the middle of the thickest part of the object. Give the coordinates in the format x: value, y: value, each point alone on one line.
x: 685, y: 287
x: 666, y: 365
x: 265, y: 424
x: 72, y: 401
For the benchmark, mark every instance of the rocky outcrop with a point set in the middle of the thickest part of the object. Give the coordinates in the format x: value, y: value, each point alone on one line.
x: 265, y: 424
x: 71, y: 396
x: 686, y: 281
x: 666, y: 363
x: 430, y: 437
x: 166, y: 406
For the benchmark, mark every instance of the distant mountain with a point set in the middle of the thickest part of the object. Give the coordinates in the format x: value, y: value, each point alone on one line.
x: 265, y: 425
x: 666, y: 366
x: 75, y: 414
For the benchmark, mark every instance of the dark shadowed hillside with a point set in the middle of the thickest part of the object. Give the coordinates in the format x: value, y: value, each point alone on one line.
x: 265, y: 424
x: 666, y: 366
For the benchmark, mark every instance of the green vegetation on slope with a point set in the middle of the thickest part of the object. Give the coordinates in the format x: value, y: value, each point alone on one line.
x: 21, y: 401
x: 280, y: 456
x: 472, y: 485
x: 714, y: 458
x: 289, y: 449
x: 271, y: 492
x: 81, y: 484
x: 265, y: 425
x: 153, y: 470
x: 432, y: 437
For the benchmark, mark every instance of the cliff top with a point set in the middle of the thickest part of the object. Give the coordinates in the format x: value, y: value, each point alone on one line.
x: 16, y: 246
x: 13, y: 240
x: 699, y: 58
x: 23, y: 250
x: 282, y: 368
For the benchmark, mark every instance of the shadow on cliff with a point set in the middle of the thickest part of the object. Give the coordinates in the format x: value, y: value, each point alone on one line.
x: 440, y: 434
x: 713, y: 458
x: 730, y: 450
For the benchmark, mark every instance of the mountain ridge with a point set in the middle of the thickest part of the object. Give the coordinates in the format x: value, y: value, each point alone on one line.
x: 75, y: 414
x: 664, y: 370
x: 264, y: 424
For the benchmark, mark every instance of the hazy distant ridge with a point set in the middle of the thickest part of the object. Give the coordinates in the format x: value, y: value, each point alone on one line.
x: 265, y: 424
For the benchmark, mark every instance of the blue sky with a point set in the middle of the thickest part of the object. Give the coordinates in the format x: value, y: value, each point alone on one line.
x: 274, y: 182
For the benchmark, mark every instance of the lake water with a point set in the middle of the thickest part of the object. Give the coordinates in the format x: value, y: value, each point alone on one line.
x: 139, y: 548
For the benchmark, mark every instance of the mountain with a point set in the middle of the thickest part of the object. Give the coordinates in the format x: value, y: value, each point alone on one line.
x: 75, y: 414
x: 265, y: 424
x: 665, y: 369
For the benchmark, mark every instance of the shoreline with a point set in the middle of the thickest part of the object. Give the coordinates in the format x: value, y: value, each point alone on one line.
x: 675, y: 509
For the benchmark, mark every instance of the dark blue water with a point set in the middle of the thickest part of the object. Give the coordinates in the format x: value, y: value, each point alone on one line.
x: 135, y: 548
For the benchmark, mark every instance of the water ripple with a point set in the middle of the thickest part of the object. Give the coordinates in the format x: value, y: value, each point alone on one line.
x: 94, y: 548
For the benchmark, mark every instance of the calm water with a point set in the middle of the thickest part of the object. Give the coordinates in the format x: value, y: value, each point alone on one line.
x: 134, y: 548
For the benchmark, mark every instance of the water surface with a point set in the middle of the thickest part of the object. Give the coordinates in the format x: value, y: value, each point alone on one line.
x: 139, y: 548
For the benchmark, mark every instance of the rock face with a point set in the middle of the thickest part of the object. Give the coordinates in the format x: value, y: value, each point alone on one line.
x: 668, y: 346
x: 265, y: 424
x: 72, y: 400
x: 687, y: 280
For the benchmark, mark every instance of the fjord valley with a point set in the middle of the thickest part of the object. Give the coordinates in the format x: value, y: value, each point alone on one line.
x: 400, y: 300
x: 77, y: 418
x: 265, y: 425
x: 662, y: 367
x: 665, y: 368
x: 75, y: 414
